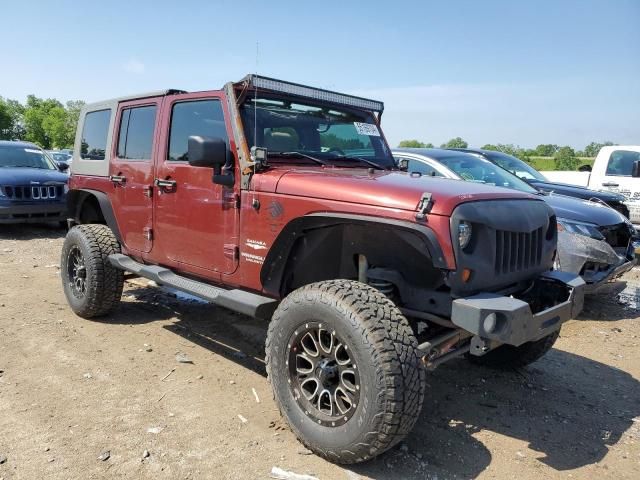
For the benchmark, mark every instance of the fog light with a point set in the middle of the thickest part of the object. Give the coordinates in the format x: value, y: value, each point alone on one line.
x: 490, y: 322
x: 464, y: 234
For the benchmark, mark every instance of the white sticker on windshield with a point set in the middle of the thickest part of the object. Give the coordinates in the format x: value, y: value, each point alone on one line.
x: 367, y: 129
x: 31, y: 150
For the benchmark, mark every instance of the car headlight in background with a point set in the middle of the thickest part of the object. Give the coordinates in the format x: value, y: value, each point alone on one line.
x: 2, y: 195
x: 464, y: 234
x: 579, y: 228
x: 66, y: 188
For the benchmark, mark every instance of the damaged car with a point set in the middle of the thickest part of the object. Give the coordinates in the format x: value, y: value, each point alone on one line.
x: 594, y: 240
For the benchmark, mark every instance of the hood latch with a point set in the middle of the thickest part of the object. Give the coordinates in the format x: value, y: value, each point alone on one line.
x: 424, y: 206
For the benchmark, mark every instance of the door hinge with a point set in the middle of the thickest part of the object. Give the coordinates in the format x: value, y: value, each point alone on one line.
x: 148, y: 233
x: 231, y: 251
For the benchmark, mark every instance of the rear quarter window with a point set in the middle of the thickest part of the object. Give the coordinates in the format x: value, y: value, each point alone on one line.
x: 94, y: 135
x: 135, y: 138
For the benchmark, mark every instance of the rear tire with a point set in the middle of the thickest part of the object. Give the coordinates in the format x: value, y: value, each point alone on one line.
x: 508, y: 356
x: 92, y: 286
x: 356, y: 345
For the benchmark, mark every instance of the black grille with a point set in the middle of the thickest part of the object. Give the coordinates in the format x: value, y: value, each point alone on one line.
x: 33, y: 192
x: 518, y: 251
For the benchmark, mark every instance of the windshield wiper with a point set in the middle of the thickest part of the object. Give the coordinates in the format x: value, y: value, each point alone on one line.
x: 359, y: 159
x: 298, y: 155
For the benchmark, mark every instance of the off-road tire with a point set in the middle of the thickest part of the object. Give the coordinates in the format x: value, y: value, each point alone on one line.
x: 392, y: 377
x: 104, y: 283
x: 508, y: 356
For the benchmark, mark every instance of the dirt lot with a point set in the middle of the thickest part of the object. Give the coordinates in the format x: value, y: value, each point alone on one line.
x: 71, y: 389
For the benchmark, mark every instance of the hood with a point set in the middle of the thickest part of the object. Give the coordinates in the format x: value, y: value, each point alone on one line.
x: 382, y: 188
x: 24, y: 176
x: 576, y: 191
x: 583, y: 210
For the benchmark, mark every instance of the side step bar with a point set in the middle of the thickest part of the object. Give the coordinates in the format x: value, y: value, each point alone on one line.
x: 239, y: 301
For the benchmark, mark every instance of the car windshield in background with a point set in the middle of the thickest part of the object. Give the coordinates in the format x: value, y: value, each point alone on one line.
x: 474, y: 169
x: 24, y: 157
x: 60, y: 157
x: 516, y: 166
x: 330, y: 134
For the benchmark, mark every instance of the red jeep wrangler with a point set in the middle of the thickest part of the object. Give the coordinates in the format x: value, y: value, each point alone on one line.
x: 283, y: 201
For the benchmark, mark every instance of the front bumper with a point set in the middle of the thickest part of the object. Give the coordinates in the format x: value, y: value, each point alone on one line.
x: 554, y: 298
x: 33, y: 213
x: 595, y: 260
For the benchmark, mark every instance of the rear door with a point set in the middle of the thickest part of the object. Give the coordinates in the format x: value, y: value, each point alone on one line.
x: 131, y: 171
x: 195, y: 221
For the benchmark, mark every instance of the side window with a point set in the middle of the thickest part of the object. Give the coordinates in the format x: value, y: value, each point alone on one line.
x: 199, y: 117
x: 135, y: 140
x: 621, y: 163
x: 94, y: 135
x: 421, y: 167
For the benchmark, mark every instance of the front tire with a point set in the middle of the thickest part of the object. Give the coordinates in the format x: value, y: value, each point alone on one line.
x: 93, y: 287
x: 508, y: 356
x: 343, y: 364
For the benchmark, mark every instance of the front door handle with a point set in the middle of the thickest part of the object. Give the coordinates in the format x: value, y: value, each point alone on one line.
x: 610, y: 184
x: 166, y: 185
x: 118, y: 179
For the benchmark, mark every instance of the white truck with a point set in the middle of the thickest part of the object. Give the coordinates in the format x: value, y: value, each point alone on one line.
x: 616, y: 169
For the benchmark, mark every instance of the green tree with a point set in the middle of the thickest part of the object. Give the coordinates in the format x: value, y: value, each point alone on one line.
x: 565, y: 159
x: 411, y: 144
x: 455, y: 143
x: 490, y: 146
x: 40, y: 129
x: 11, y: 121
x: 593, y: 148
x: 546, y: 150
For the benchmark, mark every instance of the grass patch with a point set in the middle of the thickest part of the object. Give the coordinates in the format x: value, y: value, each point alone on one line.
x: 548, y: 163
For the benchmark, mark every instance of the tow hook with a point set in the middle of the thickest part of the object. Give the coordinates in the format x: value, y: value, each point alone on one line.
x: 439, y: 349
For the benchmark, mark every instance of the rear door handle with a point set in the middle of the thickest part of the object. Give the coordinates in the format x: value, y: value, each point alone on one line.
x: 166, y: 185
x: 118, y: 179
x: 610, y: 184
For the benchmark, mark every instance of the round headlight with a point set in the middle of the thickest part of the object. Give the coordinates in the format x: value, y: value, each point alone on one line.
x: 464, y: 234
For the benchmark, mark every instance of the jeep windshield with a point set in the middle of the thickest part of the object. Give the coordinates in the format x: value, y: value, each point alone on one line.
x: 20, y: 156
x: 308, y: 132
x: 473, y: 169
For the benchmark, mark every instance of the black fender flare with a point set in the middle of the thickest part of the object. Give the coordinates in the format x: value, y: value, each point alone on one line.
x: 276, y: 261
x: 77, y: 198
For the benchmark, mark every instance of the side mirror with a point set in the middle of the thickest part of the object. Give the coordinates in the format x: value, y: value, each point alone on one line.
x: 635, y: 170
x: 584, y: 168
x: 403, y: 164
x: 63, y: 166
x: 211, y: 153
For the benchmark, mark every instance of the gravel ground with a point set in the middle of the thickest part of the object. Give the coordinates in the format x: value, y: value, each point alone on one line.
x: 107, y: 399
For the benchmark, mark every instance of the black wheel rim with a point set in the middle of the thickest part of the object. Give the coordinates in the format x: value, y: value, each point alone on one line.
x: 323, y: 374
x: 77, y: 272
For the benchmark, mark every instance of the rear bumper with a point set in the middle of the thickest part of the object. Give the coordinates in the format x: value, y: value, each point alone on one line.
x: 33, y: 213
x: 554, y: 298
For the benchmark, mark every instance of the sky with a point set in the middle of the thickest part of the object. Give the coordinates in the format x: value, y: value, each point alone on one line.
x: 564, y: 72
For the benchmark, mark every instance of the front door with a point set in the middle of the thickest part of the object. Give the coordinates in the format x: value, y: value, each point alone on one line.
x: 195, y: 220
x: 131, y: 171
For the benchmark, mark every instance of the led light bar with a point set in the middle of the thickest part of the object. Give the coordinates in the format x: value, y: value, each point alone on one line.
x: 296, y: 89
